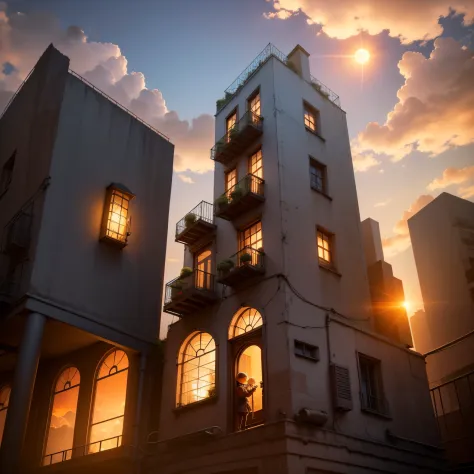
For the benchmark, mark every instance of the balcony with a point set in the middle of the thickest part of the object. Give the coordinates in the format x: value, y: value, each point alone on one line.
x: 241, y: 267
x: 187, y: 294
x: 246, y: 194
x: 238, y: 138
x: 196, y: 224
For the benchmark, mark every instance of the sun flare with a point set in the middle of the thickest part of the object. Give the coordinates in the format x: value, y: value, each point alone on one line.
x: 362, y: 56
x: 406, y: 304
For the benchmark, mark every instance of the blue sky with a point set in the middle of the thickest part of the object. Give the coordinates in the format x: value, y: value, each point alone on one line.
x: 191, y: 51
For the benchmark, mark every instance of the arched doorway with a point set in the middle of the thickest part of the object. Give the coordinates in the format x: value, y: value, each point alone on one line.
x: 246, y: 353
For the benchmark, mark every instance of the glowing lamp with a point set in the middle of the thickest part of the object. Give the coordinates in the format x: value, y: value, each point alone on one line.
x: 116, y: 219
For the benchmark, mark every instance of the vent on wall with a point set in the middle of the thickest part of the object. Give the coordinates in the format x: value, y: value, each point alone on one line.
x: 341, y: 387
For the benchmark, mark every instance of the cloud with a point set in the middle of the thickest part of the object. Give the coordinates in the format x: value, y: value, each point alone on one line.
x: 407, y: 19
x: 383, y: 203
x: 23, y: 38
x: 466, y: 192
x: 185, y: 179
x: 435, y: 109
x: 452, y: 176
x: 401, y: 240
x: 362, y: 160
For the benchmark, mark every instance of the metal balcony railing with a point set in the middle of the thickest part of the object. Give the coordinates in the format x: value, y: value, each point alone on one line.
x: 79, y: 451
x: 179, y: 287
x: 269, y: 51
x: 204, y: 211
x: 239, y: 137
x: 244, y: 264
x: 248, y: 184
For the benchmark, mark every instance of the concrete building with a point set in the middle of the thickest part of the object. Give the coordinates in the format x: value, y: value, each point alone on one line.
x: 275, y: 285
x: 442, y: 236
x: 421, y: 332
x: 80, y: 286
x: 389, y: 313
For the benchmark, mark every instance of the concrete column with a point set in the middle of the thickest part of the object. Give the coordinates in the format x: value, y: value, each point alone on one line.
x: 21, y: 395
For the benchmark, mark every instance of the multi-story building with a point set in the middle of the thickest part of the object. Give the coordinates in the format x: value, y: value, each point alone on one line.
x: 275, y: 285
x: 442, y: 236
x: 420, y: 331
x: 80, y: 286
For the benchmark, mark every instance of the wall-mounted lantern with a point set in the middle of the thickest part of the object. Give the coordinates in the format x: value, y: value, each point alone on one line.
x: 116, y: 219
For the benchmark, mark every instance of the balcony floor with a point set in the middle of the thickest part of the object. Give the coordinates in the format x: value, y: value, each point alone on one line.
x: 189, y: 301
x: 241, y: 274
x: 192, y: 234
x: 235, y: 209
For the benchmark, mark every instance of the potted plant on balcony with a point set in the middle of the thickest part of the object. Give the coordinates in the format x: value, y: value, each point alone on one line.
x: 236, y: 193
x: 222, y: 202
x: 190, y: 219
x: 233, y: 132
x: 220, y: 145
x: 224, y: 267
x: 245, y: 258
x: 181, y: 282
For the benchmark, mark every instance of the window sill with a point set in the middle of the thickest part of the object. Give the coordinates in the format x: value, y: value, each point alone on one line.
x: 316, y: 134
x: 325, y: 267
x: 190, y: 406
x: 376, y: 413
x: 322, y: 193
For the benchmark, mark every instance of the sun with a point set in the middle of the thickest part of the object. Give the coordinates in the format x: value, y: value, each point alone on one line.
x: 406, y: 304
x: 362, y: 56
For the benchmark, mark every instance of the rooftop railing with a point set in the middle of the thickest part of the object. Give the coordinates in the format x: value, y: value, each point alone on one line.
x: 204, y: 211
x: 269, y: 51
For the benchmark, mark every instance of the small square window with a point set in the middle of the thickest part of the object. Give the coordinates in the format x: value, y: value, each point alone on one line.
x: 7, y: 174
x: 311, y: 118
x: 371, y: 388
x: 325, y: 247
x: 256, y: 164
x: 318, y: 176
x: 254, y: 105
x: 230, y: 179
x: 308, y: 351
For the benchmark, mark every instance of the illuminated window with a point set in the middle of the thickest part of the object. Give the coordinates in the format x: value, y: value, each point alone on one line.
x: 324, y: 247
x: 310, y: 118
x: 254, y: 105
x: 63, y: 417
x: 256, y: 164
x: 203, y: 265
x: 230, y: 179
x: 245, y: 321
x: 230, y: 124
x: 318, y: 176
x: 252, y: 237
x: 116, y: 218
x: 196, y: 369
x: 250, y: 362
x: 4, y: 400
x: 109, y: 403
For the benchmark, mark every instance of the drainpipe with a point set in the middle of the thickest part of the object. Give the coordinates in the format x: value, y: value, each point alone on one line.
x: 138, y: 413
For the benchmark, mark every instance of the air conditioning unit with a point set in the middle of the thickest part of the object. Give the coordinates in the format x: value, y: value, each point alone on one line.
x: 18, y: 234
x: 341, y: 387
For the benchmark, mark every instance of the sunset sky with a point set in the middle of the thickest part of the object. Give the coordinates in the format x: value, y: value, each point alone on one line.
x: 410, y: 109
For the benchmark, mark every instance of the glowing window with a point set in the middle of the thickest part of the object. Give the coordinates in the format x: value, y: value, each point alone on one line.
x: 63, y: 417
x: 230, y: 124
x: 310, y: 118
x: 109, y: 403
x: 324, y: 247
x: 196, y: 369
x: 230, y: 179
x: 250, y: 362
x: 252, y: 236
x: 4, y: 400
x: 256, y: 164
x: 254, y: 105
x: 245, y: 321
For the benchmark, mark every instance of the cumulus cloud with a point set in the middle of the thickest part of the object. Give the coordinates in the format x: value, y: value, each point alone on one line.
x: 435, y: 109
x: 186, y: 179
x: 407, y: 19
x: 382, y: 203
x: 401, y: 240
x: 452, y: 176
x: 362, y: 160
x: 23, y: 38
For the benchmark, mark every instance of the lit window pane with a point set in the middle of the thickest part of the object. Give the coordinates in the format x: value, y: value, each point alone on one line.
x: 244, y: 321
x: 324, y: 247
x: 4, y: 401
x: 250, y: 362
x: 310, y: 120
x: 256, y: 164
x: 101, y: 434
x: 254, y: 105
x: 63, y: 417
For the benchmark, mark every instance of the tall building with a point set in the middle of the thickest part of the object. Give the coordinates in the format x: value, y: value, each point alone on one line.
x: 275, y: 285
x: 80, y: 283
x: 442, y: 236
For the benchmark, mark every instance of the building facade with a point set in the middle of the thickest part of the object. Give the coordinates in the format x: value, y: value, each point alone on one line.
x: 80, y: 284
x: 275, y: 284
x: 442, y: 236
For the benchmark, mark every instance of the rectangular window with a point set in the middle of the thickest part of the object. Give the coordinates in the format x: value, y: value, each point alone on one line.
x: 251, y: 236
x: 325, y: 250
x: 256, y: 164
x: 317, y: 173
x: 254, y: 104
x: 308, y: 351
x: 371, y: 389
x: 311, y: 116
x: 230, y: 179
x: 7, y: 174
x: 230, y: 123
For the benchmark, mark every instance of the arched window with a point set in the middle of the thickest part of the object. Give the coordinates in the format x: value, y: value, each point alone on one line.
x: 106, y: 427
x: 244, y: 321
x: 63, y: 417
x: 4, y: 399
x: 196, y: 369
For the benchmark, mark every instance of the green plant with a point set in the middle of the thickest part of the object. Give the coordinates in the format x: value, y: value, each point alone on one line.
x: 222, y: 201
x: 190, y: 219
x: 233, y: 132
x: 260, y: 249
x: 237, y: 193
x: 185, y: 272
x: 225, y: 265
x: 316, y: 86
x: 245, y: 258
x: 220, y: 145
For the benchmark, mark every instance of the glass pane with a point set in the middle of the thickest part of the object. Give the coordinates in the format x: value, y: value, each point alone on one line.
x: 115, y: 361
x: 244, y: 321
x: 61, y: 428
x: 250, y: 362
x: 3, y: 417
x: 103, y: 431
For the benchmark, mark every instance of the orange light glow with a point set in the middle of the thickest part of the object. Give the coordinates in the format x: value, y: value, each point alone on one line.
x: 362, y: 56
x: 406, y: 305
